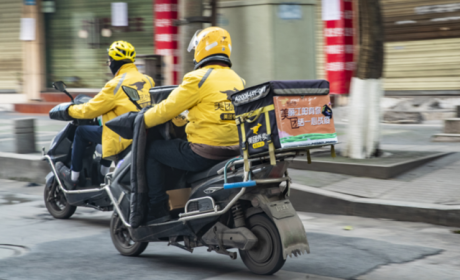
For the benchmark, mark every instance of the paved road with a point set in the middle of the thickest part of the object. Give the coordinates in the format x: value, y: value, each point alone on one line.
x: 33, y: 245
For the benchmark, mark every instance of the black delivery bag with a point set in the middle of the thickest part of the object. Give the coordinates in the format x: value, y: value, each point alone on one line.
x: 256, y: 113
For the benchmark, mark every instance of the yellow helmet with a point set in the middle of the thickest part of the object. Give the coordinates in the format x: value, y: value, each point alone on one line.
x: 212, y: 41
x: 121, y: 50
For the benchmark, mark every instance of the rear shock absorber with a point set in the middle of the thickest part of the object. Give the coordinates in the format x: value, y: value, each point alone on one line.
x: 238, y: 215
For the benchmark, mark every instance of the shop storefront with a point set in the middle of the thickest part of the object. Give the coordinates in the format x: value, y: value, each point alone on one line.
x: 78, y: 34
x: 10, y: 46
x: 422, y: 48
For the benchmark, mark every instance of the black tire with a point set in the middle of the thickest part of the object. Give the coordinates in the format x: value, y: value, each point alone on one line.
x: 266, y: 257
x: 122, y: 239
x: 56, y: 203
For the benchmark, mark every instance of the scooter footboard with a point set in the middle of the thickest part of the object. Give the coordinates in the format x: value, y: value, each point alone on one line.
x: 290, y: 227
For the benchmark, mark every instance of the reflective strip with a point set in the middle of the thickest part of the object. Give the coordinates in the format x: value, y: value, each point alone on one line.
x: 205, y: 77
x: 119, y: 84
x: 208, y: 47
x: 319, y: 91
x: 151, y: 85
x: 243, y: 81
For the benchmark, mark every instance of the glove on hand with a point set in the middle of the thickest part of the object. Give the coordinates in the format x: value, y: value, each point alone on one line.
x: 61, y: 112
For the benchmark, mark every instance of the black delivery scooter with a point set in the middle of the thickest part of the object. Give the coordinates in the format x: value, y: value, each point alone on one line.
x: 224, y: 208
x: 62, y: 203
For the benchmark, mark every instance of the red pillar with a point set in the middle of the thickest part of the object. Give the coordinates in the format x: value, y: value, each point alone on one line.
x: 338, y: 33
x: 166, y: 35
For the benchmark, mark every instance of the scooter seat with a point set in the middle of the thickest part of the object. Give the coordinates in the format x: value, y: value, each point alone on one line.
x: 195, y: 177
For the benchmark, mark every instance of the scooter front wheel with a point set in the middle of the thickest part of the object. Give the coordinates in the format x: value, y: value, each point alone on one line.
x: 56, y: 203
x: 266, y: 257
x: 122, y: 239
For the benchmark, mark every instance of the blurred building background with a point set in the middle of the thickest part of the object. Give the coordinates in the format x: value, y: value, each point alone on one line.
x: 272, y: 40
x: 422, y: 50
x: 78, y: 34
x: 11, y: 47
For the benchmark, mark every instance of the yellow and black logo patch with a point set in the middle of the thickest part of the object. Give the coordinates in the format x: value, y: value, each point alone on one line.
x: 223, y: 106
x: 227, y: 117
x: 255, y: 129
x: 258, y: 144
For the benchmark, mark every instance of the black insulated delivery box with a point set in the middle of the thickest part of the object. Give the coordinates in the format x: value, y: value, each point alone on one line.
x: 283, y: 115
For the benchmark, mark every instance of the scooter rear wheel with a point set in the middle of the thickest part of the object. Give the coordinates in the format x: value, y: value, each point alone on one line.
x: 56, y: 203
x: 266, y: 257
x: 122, y: 239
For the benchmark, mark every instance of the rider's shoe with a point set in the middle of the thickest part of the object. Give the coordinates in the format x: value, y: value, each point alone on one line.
x: 64, y: 174
x: 158, y: 213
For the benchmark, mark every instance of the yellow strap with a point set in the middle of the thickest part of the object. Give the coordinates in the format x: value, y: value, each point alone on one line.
x: 255, y: 114
x: 308, y: 156
x: 333, y: 151
x: 245, y: 148
x: 246, y: 161
x: 271, y: 146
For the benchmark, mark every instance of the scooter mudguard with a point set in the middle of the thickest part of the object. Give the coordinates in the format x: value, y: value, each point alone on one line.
x: 290, y: 227
x: 293, y: 236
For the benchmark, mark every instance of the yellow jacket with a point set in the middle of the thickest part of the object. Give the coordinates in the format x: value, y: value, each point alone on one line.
x: 112, y: 102
x: 211, y: 115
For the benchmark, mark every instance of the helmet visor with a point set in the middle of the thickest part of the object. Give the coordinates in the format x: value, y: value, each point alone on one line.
x: 195, y: 40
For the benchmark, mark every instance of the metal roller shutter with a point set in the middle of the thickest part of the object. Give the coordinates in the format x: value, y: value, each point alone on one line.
x: 422, y: 49
x: 423, y: 45
x: 425, y: 65
x: 76, y: 47
x: 320, y: 52
x: 10, y: 46
x: 408, y: 20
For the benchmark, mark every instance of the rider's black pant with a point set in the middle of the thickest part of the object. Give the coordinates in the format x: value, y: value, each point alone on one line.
x: 164, y: 154
x: 83, y: 135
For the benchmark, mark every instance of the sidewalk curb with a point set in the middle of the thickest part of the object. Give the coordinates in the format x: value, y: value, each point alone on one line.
x: 378, y: 171
x: 445, y: 137
x: 23, y: 167
x: 310, y: 199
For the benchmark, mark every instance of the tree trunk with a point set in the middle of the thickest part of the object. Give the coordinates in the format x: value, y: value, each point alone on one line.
x: 366, y: 87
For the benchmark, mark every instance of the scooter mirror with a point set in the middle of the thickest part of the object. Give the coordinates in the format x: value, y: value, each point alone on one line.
x: 131, y: 93
x: 59, y: 86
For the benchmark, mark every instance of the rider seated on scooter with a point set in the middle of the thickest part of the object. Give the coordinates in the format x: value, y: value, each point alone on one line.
x: 211, y: 132
x: 109, y: 103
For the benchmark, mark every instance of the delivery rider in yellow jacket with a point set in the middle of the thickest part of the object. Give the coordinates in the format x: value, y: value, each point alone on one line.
x: 109, y: 103
x: 211, y: 130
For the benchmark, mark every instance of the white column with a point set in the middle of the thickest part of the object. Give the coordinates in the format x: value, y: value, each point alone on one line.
x: 33, y: 54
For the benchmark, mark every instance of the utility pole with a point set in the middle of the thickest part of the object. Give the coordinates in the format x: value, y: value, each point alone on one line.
x: 213, y: 12
x: 191, y: 14
x: 191, y: 20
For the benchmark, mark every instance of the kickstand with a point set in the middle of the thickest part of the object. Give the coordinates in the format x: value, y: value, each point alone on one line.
x: 172, y: 241
x: 221, y: 249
